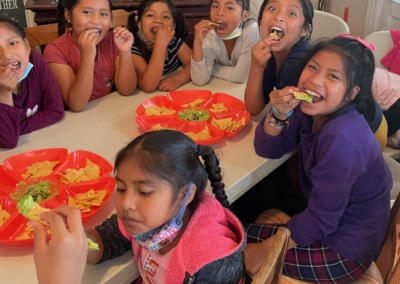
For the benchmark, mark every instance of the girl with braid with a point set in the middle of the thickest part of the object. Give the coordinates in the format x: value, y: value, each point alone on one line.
x: 178, y: 232
x: 89, y: 58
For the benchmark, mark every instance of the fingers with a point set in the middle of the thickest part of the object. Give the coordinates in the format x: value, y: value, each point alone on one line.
x: 57, y: 225
x: 121, y: 32
x: 39, y: 235
x: 72, y: 215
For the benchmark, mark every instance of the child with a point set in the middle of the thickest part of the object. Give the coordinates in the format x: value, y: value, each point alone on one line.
x: 88, y: 59
x: 342, y: 171
x: 276, y: 62
x: 222, y: 46
x: 29, y: 96
x: 159, y: 31
x: 178, y: 232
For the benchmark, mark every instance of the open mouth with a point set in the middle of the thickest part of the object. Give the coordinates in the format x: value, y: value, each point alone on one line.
x: 15, y: 65
x: 316, y: 98
x: 277, y: 33
x: 154, y: 31
x: 308, y: 96
x: 220, y: 27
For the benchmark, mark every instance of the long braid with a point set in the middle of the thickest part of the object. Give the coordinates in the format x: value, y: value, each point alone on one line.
x: 60, y: 18
x: 213, y: 170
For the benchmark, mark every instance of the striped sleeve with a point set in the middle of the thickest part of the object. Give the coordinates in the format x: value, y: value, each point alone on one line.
x: 135, y: 50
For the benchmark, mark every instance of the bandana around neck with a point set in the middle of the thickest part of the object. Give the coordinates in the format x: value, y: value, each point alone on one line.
x: 166, y: 233
x: 148, y: 44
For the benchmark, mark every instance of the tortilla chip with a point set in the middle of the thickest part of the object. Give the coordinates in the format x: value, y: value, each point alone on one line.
x: 157, y: 111
x: 196, y: 103
x: 4, y: 215
x: 228, y: 124
x: 214, y: 24
x: 219, y: 108
x: 90, y: 172
x: 85, y: 201
x: 41, y: 169
x: 202, y: 135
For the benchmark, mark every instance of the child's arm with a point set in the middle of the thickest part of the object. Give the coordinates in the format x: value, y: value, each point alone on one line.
x: 9, y: 115
x: 203, y: 56
x: 254, y: 96
x: 125, y: 76
x: 112, y: 243
x: 149, y: 75
x: 52, y: 108
x: 76, y: 90
x: 240, y: 72
x: 173, y: 82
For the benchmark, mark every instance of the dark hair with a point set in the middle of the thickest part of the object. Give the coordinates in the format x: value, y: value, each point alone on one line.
x: 13, y: 26
x: 308, y: 12
x: 181, y: 28
x: 172, y: 156
x: 69, y: 5
x: 358, y: 66
x: 245, y: 4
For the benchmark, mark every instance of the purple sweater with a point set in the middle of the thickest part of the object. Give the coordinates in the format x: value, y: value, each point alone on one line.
x: 344, y: 177
x: 39, y: 105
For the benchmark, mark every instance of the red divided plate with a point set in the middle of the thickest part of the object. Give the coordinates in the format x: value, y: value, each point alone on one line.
x: 175, y: 100
x: 10, y: 175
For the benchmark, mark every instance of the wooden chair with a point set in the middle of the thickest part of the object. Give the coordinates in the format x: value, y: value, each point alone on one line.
x: 271, y: 271
x: 120, y: 18
x: 41, y: 35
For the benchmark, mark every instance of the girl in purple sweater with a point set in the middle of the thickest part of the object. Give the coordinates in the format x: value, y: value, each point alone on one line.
x: 29, y: 95
x: 342, y: 172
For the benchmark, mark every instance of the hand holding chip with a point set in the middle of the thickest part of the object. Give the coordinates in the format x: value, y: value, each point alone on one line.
x: 163, y: 37
x: 284, y: 100
x: 63, y: 258
x: 260, y: 54
x: 201, y: 30
x: 8, y: 81
x: 87, y: 44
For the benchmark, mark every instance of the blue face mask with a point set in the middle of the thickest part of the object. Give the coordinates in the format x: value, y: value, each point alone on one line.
x: 166, y: 233
x: 27, y: 70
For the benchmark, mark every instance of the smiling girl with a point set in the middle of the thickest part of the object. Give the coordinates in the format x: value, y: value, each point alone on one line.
x: 29, y: 96
x: 222, y: 46
x: 88, y: 59
x: 159, y: 48
x: 342, y: 171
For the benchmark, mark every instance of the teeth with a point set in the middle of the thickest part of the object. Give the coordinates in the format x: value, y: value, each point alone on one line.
x: 312, y: 93
x: 15, y: 65
x: 275, y: 28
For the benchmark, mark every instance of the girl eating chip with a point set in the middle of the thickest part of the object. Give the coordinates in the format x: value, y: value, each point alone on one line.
x: 88, y: 59
x: 222, y: 46
x: 29, y: 95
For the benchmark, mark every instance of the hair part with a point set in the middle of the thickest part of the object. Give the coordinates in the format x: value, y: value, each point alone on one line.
x: 181, y: 28
x: 69, y: 5
x: 13, y: 26
x: 172, y: 156
x: 308, y: 13
x: 359, y: 66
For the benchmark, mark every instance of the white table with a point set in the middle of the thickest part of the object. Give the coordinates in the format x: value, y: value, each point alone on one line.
x: 106, y: 126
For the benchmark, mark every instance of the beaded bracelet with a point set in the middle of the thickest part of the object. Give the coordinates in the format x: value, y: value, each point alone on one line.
x: 281, y: 122
x: 273, y: 125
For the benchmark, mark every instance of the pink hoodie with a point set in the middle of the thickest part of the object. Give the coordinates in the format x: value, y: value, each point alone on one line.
x: 213, y: 233
x: 392, y: 59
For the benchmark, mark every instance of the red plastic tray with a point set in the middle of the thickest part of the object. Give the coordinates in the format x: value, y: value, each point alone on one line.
x: 10, y: 175
x: 175, y: 100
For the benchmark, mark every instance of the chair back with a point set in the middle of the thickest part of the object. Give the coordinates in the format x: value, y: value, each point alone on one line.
x: 41, y: 35
x: 327, y: 25
x: 120, y: 18
x: 383, y: 42
x: 271, y: 271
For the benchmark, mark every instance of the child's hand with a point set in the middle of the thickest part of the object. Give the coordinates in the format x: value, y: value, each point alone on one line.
x: 123, y: 39
x: 169, y: 84
x: 261, y: 53
x: 284, y: 100
x: 200, y: 31
x: 87, y: 44
x: 163, y: 37
x: 8, y: 80
x: 63, y: 258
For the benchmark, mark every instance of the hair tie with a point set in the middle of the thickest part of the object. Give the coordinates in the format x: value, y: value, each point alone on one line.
x: 199, y: 152
x: 369, y: 46
x: 136, y: 13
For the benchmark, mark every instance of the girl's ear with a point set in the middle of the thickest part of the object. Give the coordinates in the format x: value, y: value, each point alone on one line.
x: 67, y: 15
x: 139, y: 25
x: 185, y: 191
x: 246, y: 16
x: 305, y: 30
x: 28, y: 48
x: 354, y: 92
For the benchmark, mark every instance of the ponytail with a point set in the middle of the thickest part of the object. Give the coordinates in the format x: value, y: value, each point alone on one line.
x: 213, y: 170
x: 133, y: 28
x: 181, y: 28
x: 61, y: 18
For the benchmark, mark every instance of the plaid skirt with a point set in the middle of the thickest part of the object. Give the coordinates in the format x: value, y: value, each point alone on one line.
x: 315, y: 263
